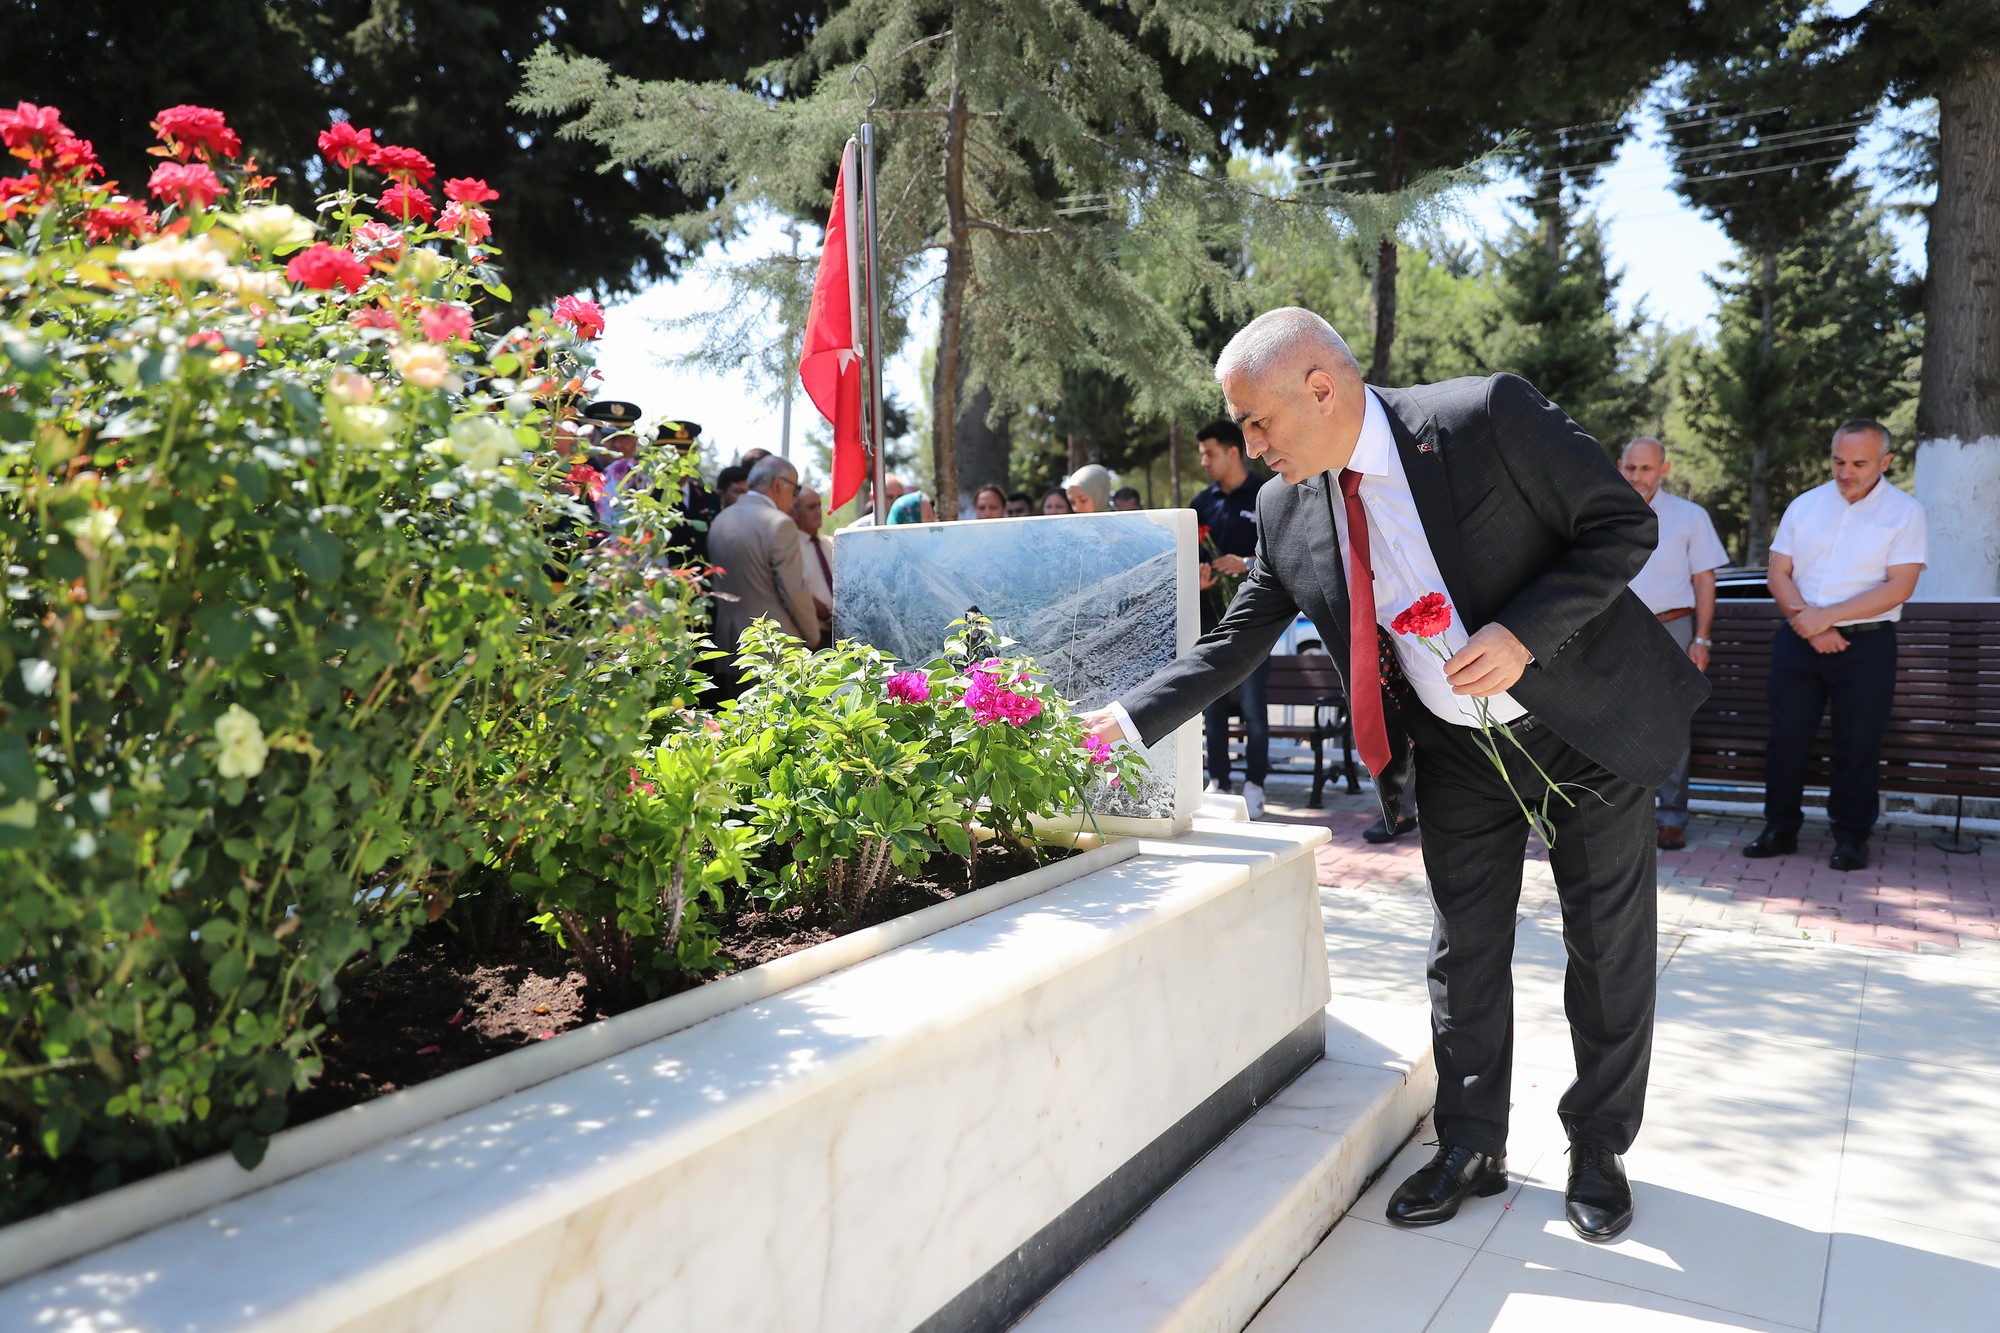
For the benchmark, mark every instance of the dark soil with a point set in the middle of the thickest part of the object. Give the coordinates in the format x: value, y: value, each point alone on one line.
x: 445, y: 1003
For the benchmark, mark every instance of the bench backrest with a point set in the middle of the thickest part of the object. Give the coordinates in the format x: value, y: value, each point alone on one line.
x: 1944, y: 730
x: 1303, y: 678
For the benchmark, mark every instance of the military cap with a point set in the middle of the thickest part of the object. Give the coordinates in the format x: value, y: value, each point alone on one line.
x: 611, y: 412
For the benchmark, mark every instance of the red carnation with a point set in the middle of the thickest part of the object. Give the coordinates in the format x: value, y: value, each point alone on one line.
x: 320, y: 267
x: 465, y: 220
x: 581, y: 314
x: 344, y: 146
x: 190, y: 184
x: 1429, y: 615
x: 196, y: 129
x: 122, y: 217
x: 442, y: 323
x: 467, y: 190
x: 404, y: 202
x: 374, y: 317
x: 402, y: 164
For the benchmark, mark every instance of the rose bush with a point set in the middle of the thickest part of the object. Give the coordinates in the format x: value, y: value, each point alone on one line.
x: 304, y: 634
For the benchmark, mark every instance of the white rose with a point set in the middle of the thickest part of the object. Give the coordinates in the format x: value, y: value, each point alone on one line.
x: 363, y: 425
x: 240, y: 748
x: 266, y: 284
x: 479, y: 443
x: 38, y: 676
x: 274, y: 228
x: 423, y: 364
x: 170, y: 257
x: 347, y: 387
x: 99, y: 527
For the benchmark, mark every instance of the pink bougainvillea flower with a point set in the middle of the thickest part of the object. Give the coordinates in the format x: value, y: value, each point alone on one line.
x: 581, y: 314
x: 443, y: 323
x: 345, y: 146
x: 374, y: 317
x: 322, y: 267
x: 379, y: 241
x: 466, y: 221
x: 1428, y: 615
x: 188, y: 130
x: 404, y: 202
x: 639, y: 784
x: 1098, y: 748
x: 469, y: 190
x: 189, y: 184
x: 910, y: 687
x: 991, y: 701
x: 406, y: 165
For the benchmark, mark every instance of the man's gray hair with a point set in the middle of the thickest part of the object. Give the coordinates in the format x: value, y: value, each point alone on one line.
x: 1280, y: 336
x: 1637, y: 440
x: 771, y: 468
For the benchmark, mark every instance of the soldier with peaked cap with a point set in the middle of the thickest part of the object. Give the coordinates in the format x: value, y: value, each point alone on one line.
x: 698, y: 504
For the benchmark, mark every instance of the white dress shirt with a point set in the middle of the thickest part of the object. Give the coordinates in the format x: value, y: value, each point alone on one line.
x: 815, y: 576
x: 1688, y: 546
x: 1405, y: 569
x: 1840, y: 549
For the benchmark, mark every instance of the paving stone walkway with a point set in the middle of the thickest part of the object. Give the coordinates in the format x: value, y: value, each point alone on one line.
x: 1912, y: 898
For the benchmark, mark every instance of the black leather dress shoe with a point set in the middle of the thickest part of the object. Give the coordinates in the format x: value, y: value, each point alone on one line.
x: 1849, y: 856
x: 1598, y: 1201
x: 1379, y: 831
x: 1434, y: 1192
x: 1770, y: 843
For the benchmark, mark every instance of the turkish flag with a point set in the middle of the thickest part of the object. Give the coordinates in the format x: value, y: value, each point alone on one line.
x: 830, y: 369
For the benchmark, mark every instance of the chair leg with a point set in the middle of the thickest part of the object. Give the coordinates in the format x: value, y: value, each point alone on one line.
x: 1347, y: 746
x: 1319, y: 770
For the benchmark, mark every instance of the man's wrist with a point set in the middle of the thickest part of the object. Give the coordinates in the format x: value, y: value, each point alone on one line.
x: 1126, y: 725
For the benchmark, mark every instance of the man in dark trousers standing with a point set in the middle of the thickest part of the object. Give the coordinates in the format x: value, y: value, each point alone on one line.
x: 1227, y: 508
x: 1482, y: 490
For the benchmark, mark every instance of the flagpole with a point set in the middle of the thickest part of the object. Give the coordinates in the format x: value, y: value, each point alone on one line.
x: 879, y: 469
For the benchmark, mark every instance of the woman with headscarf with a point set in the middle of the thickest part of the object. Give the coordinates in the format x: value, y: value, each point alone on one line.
x: 912, y: 507
x: 1089, y: 489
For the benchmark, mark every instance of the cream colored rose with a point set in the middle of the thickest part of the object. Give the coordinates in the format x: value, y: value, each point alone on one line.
x: 172, y: 258
x: 478, y: 443
x: 266, y: 284
x: 365, y: 424
x: 274, y: 228
x: 239, y: 741
x: 423, y: 364
x: 99, y: 527
x: 347, y: 387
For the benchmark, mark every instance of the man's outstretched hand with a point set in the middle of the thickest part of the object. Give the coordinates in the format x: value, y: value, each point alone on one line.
x: 1489, y: 664
x: 1103, y: 724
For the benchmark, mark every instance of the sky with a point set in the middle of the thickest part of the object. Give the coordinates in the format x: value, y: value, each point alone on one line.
x: 1663, y: 248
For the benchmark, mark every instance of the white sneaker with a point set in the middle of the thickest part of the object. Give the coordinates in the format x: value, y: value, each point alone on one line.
x: 1216, y: 787
x: 1253, y: 797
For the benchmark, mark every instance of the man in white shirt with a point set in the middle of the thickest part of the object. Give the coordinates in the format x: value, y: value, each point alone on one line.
x: 893, y: 487
x: 1678, y: 586
x: 1846, y: 558
x: 808, y: 511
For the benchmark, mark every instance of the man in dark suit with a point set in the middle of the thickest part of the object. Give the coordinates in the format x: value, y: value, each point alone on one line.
x: 1484, y: 491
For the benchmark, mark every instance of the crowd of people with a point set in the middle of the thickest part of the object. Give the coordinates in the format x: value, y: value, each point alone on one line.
x: 1845, y: 558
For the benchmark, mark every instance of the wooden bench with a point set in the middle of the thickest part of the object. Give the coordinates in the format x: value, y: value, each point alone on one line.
x: 1944, y: 731
x: 1308, y: 680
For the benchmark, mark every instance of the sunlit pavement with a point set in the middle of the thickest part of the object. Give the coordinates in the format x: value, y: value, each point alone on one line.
x: 1822, y: 1141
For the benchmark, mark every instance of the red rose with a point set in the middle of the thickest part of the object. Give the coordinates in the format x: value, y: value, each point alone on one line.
x: 406, y: 165
x: 581, y: 314
x: 379, y: 241
x: 404, y: 202
x: 1427, y: 616
x: 321, y: 267
x: 17, y: 192
x: 344, y: 146
x: 468, y: 190
x: 374, y: 317
x: 190, y: 184
x: 442, y: 323
x: 122, y: 217
x: 30, y: 131
x: 466, y: 221
x: 196, y: 129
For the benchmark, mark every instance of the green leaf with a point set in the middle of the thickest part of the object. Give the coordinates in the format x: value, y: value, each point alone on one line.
x: 228, y: 973
x: 248, y: 1149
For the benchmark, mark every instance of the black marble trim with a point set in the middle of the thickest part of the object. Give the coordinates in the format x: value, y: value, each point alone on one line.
x: 1011, y: 1287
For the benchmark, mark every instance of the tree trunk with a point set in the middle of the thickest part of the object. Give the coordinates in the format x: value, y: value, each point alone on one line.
x: 985, y: 451
x: 1958, y: 404
x: 1174, y: 462
x: 1758, y: 519
x: 1385, y: 269
x: 951, y: 310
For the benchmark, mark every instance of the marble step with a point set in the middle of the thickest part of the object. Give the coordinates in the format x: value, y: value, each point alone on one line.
x: 1210, y: 1251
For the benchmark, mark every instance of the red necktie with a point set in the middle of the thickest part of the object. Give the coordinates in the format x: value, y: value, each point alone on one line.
x: 824, y: 567
x: 1364, y: 677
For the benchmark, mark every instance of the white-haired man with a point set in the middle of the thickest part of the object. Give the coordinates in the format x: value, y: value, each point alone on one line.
x: 762, y: 566
x: 1482, y: 490
x: 1678, y: 587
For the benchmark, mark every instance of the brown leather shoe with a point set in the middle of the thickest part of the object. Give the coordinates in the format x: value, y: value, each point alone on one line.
x: 1672, y: 838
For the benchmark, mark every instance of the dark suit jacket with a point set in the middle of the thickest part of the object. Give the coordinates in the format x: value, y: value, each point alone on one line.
x: 1532, y: 526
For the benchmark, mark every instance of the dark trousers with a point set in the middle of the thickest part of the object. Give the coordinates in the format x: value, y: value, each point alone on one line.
x: 1474, y: 843
x: 1860, y: 683
x: 1252, y: 696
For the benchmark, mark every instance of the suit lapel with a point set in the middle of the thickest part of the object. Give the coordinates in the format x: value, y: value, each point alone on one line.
x: 1325, y: 543
x: 1423, y: 464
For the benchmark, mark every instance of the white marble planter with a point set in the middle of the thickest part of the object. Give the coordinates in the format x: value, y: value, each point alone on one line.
x: 931, y: 1136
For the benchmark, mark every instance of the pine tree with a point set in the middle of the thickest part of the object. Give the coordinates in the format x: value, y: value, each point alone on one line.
x: 1844, y: 338
x: 1032, y: 166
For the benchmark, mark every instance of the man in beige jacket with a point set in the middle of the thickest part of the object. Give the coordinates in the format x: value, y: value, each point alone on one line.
x: 763, y: 566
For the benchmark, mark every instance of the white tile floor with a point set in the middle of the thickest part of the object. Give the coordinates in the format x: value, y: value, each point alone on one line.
x: 1821, y: 1152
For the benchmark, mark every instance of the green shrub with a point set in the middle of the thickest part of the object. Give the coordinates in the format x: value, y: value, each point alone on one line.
x: 300, y: 635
